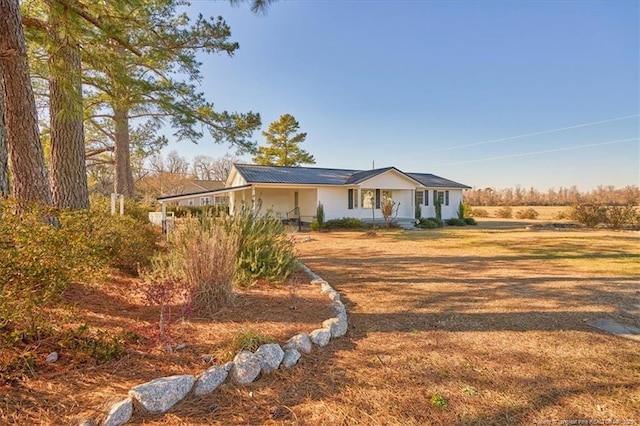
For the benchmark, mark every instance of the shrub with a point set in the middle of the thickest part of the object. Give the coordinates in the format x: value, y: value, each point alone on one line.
x: 320, y: 215
x: 437, y: 221
x: 427, y: 224
x: 454, y: 221
x: 589, y: 215
x: 464, y: 210
x: 102, y: 204
x: 505, y: 213
x: 563, y: 214
x: 38, y: 261
x: 527, y: 214
x: 479, y: 213
x: 265, y: 250
x: 198, y: 211
x: 470, y: 221
x: 617, y: 217
x: 345, y: 223
x: 438, y: 207
x: 314, y: 225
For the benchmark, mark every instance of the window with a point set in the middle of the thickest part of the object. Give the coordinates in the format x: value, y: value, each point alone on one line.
x: 221, y: 201
x: 368, y: 198
x: 387, y: 195
x: 190, y: 202
x: 419, y: 198
x: 205, y: 201
x: 443, y: 196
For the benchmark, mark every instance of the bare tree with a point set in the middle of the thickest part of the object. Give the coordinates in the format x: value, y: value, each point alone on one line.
x: 209, y: 168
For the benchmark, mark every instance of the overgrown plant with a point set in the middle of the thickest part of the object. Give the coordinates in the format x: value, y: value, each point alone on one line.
x: 438, y: 207
x: 389, y: 209
x: 204, y: 252
x: 265, y: 251
x: 320, y: 215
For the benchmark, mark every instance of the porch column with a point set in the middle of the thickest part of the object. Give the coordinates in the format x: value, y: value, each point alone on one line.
x: 253, y: 199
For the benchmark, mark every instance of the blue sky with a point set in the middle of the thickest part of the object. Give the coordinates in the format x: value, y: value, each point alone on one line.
x: 438, y: 86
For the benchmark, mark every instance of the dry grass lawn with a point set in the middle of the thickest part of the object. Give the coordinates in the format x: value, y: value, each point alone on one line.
x: 481, y: 326
x: 465, y: 326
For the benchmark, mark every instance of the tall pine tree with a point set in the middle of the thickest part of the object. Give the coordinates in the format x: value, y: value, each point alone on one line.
x: 282, y: 145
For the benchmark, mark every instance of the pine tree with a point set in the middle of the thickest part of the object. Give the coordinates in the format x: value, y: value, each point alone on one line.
x: 29, y: 179
x: 282, y: 145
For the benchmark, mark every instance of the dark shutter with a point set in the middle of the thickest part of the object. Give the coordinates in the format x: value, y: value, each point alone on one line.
x: 426, y: 197
x: 446, y: 198
x: 435, y: 196
x: 377, y: 198
x: 350, y: 202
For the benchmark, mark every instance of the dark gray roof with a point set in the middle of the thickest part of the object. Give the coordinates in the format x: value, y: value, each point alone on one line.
x: 295, y: 175
x: 433, y: 181
x: 318, y: 176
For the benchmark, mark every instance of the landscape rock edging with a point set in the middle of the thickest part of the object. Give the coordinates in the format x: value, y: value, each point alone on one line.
x: 159, y: 395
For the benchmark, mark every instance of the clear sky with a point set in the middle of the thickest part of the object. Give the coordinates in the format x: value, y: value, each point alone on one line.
x: 462, y: 89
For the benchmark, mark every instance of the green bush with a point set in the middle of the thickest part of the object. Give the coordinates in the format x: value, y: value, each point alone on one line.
x: 102, y: 204
x: 479, y: 213
x: 527, y: 214
x: 345, y: 223
x: 505, y: 212
x: 470, y: 221
x: 314, y: 225
x: 320, y: 215
x: 437, y: 221
x: 464, y: 210
x: 265, y: 251
x: 454, y: 221
x: 38, y: 260
x: 427, y: 224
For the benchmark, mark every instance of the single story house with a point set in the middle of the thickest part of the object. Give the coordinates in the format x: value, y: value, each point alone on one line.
x: 294, y: 192
x: 198, y: 186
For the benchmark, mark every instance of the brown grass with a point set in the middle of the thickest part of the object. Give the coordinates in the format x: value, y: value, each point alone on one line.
x: 490, y: 320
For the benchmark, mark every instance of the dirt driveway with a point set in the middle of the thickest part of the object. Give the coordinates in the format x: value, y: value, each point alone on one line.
x: 479, y: 326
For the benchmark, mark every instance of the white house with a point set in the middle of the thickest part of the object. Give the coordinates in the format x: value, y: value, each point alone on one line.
x: 294, y: 192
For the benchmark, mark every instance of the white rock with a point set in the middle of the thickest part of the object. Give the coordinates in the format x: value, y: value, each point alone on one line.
x: 334, y: 295
x: 301, y: 342
x: 320, y: 336
x: 337, y: 326
x: 270, y: 355
x: 246, y: 368
x: 208, y: 381
x: 181, y: 346
x: 291, y: 357
x: 325, y: 287
x: 52, y: 357
x: 119, y: 413
x: 159, y: 395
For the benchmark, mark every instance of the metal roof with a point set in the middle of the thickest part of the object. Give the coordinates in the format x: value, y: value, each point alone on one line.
x: 433, y: 181
x: 294, y: 175
x: 253, y: 173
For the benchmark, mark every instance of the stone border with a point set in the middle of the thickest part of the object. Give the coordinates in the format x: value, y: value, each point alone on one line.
x: 160, y: 395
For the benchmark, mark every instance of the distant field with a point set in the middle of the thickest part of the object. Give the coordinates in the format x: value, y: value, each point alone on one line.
x: 545, y: 212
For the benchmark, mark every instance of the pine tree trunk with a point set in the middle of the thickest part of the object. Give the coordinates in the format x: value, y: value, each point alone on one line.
x: 29, y: 181
x: 68, y: 167
x: 124, y: 176
x: 4, y: 155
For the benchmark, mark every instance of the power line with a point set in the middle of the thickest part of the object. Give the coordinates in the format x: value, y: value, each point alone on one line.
x: 567, y: 148
x: 543, y: 132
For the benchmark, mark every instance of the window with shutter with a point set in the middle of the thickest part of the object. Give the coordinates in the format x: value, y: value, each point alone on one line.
x: 350, y: 200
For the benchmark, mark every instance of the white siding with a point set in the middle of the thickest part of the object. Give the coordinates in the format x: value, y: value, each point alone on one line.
x: 455, y: 196
x: 335, y: 203
x: 389, y: 180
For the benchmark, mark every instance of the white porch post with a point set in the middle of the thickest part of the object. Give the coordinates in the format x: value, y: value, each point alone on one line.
x: 253, y: 199
x: 163, y: 221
